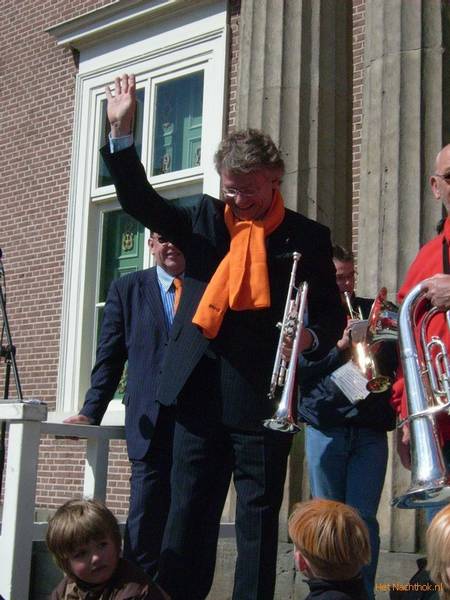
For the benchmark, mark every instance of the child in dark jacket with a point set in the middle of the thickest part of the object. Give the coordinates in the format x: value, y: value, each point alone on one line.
x: 331, y: 547
x: 84, y: 538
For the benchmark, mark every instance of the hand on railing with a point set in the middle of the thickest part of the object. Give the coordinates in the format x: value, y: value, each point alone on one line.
x: 77, y: 420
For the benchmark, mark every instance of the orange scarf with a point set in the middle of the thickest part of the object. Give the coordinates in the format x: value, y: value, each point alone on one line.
x: 241, y: 281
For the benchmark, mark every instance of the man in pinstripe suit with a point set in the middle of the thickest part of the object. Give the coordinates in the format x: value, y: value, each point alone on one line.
x: 137, y: 320
x: 218, y: 376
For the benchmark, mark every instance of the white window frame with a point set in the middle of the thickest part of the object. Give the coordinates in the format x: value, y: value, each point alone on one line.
x: 182, y: 42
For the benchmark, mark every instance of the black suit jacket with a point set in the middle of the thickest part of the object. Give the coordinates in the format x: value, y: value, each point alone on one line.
x: 246, y: 344
x: 133, y: 329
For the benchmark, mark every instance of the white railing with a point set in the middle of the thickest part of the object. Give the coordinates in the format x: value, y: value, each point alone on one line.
x: 19, y: 529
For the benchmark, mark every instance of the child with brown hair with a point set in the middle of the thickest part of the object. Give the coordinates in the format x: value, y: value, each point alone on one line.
x: 331, y: 547
x: 84, y: 538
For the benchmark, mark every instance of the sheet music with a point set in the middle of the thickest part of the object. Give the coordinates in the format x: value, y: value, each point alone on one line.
x: 351, y: 382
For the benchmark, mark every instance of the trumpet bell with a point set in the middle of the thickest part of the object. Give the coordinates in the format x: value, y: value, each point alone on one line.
x: 383, y: 320
x: 379, y: 384
x: 283, y: 424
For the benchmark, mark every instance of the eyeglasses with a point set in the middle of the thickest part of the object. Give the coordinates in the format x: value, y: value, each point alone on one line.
x: 445, y: 177
x: 230, y: 193
x: 160, y: 239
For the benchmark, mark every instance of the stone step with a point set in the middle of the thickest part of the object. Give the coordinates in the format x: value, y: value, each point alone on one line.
x: 393, y: 568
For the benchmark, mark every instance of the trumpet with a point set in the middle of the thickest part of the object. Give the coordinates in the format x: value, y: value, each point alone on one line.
x: 283, y: 384
x: 352, y: 313
x: 428, y: 394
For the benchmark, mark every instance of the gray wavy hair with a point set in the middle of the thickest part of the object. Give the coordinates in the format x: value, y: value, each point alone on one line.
x: 248, y: 150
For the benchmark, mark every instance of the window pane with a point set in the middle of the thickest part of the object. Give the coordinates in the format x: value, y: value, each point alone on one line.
x: 104, y: 178
x: 178, y: 124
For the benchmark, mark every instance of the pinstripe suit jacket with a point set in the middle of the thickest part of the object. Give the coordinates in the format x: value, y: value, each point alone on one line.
x: 133, y: 329
x: 247, y: 340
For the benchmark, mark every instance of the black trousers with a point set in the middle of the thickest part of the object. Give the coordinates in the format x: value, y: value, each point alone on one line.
x: 205, y: 456
x: 150, y: 497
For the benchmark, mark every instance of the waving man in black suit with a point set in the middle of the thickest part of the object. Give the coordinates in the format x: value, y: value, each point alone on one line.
x: 221, y: 348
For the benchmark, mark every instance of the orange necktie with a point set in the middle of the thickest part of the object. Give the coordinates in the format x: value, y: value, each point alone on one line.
x: 178, y: 284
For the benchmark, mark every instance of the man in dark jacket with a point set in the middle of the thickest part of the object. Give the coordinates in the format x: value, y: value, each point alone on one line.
x: 137, y: 319
x: 346, y: 442
x: 222, y: 345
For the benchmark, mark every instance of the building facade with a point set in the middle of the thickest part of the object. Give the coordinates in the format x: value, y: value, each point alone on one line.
x: 354, y: 92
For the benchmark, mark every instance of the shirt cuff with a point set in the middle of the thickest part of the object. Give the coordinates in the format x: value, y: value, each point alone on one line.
x: 315, y: 343
x: 120, y: 143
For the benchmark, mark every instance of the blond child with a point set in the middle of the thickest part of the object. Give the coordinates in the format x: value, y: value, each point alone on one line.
x: 438, y: 552
x: 331, y: 547
x: 432, y: 580
x: 84, y: 539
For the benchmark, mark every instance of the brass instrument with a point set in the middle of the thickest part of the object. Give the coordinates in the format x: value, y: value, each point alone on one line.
x: 381, y: 328
x: 283, y: 384
x: 428, y: 394
x: 352, y: 313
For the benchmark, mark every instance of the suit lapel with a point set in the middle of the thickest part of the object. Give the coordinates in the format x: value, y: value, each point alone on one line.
x: 151, y: 294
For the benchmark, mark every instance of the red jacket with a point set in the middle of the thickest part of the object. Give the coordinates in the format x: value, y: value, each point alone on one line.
x: 428, y: 262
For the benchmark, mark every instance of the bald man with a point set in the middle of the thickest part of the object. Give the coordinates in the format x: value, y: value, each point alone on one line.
x: 432, y: 265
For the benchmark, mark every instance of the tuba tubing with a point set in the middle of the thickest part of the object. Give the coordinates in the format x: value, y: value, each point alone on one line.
x: 430, y: 484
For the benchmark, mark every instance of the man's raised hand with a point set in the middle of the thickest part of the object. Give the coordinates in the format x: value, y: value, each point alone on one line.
x: 121, y: 105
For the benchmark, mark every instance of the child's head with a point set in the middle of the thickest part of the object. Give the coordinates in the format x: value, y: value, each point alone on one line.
x: 84, y: 538
x: 438, y: 549
x: 331, y: 539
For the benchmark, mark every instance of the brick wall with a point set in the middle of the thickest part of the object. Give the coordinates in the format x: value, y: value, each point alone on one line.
x: 38, y: 80
x: 358, y: 72
x: 233, y: 61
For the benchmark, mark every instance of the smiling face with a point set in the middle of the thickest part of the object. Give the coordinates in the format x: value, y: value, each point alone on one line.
x: 167, y: 256
x: 95, y: 561
x: 249, y: 195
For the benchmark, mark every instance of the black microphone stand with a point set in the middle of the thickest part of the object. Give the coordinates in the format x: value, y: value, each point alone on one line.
x: 7, y: 352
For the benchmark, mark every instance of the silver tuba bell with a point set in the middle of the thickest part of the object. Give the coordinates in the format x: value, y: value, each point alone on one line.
x: 428, y: 394
x: 283, y: 384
